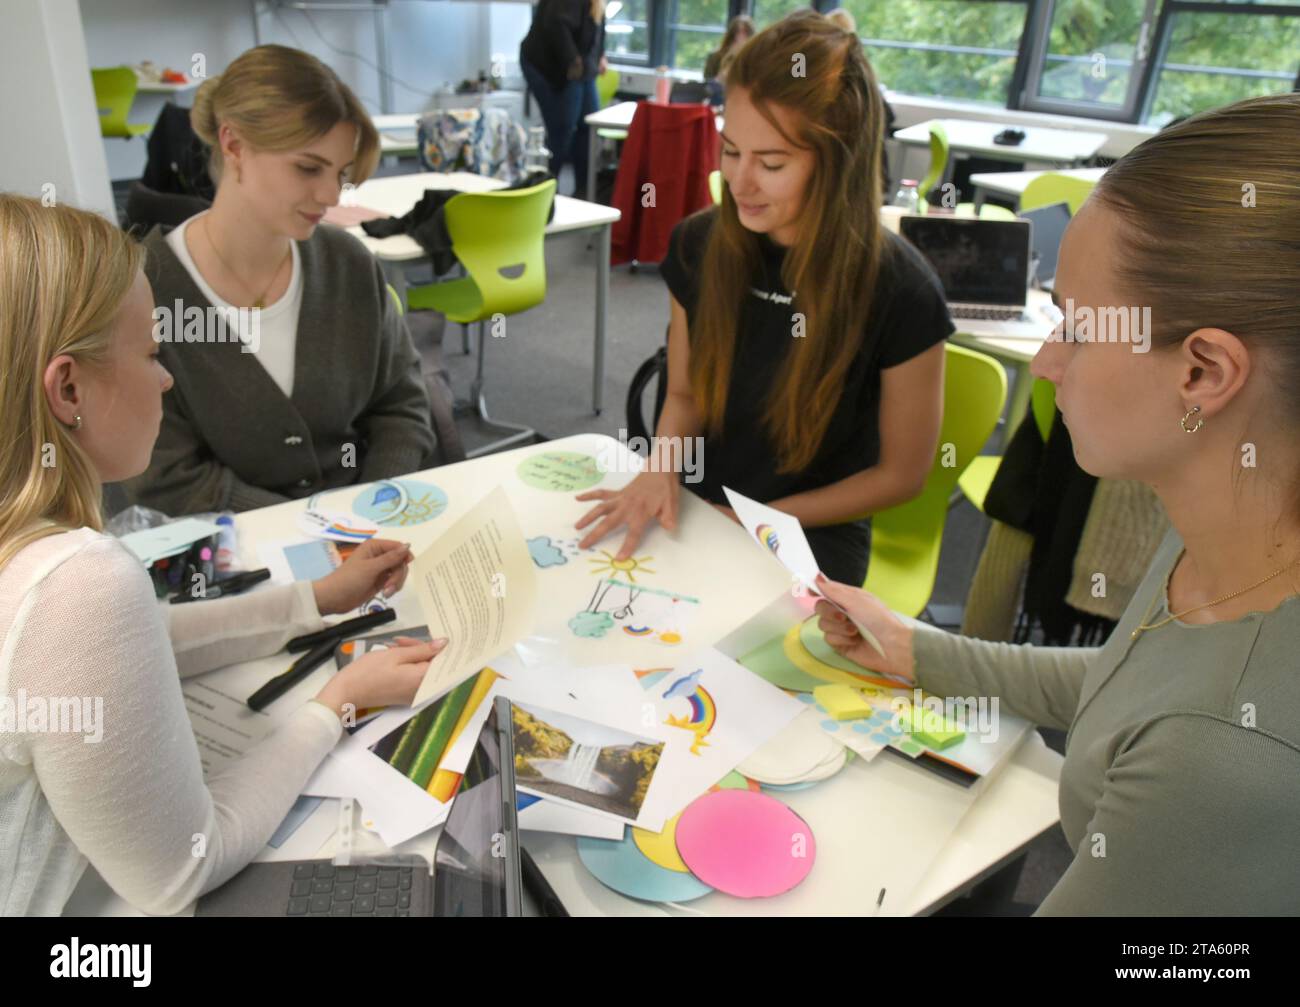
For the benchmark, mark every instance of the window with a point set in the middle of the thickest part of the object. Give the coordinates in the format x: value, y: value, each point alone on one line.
x: 766, y: 12
x: 1210, y: 57
x: 1089, y: 56
x: 949, y: 48
x: 695, y: 30
x: 627, y: 31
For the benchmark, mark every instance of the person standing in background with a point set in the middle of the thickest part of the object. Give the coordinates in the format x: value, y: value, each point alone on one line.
x: 561, y: 56
x: 740, y: 29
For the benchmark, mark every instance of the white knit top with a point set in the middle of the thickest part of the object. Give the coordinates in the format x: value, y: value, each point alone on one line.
x: 79, y: 621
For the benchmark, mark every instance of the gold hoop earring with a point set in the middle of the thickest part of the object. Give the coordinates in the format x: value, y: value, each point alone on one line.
x: 1200, y: 422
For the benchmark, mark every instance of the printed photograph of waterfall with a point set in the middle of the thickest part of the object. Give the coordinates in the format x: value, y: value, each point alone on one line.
x: 599, y: 767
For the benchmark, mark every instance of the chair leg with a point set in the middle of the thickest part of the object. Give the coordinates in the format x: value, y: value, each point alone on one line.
x: 464, y: 338
x: 517, y: 433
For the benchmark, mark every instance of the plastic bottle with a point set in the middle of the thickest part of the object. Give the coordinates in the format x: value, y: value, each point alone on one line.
x: 663, y: 85
x: 227, y: 546
x: 907, y: 197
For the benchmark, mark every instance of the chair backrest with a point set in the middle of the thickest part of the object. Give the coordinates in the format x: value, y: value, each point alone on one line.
x: 905, y: 539
x: 938, y: 158
x: 498, y: 238
x: 115, y: 89
x: 1042, y: 403
x: 715, y: 187
x: 607, y: 86
x: 1052, y: 187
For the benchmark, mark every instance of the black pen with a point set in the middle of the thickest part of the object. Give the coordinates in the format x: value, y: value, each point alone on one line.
x: 335, y: 633
x: 225, y: 587
x: 299, y: 670
x: 538, y: 887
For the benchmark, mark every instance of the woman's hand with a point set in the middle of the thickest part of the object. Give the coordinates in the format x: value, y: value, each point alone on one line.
x: 894, y: 634
x: 382, y: 677
x: 377, y: 566
x: 651, y: 496
x: 604, y: 64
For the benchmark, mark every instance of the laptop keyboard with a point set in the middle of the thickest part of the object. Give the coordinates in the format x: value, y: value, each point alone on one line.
x: 989, y: 314
x: 368, y: 890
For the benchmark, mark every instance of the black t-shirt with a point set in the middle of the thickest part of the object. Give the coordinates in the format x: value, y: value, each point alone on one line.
x: 908, y: 316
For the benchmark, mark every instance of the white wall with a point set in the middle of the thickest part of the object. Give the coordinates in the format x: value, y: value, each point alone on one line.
x: 429, y: 42
x: 48, y: 120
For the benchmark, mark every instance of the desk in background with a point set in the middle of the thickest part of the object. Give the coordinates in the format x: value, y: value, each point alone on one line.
x: 858, y: 816
x: 396, y: 194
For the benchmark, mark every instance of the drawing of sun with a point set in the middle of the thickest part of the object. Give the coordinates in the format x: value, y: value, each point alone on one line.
x: 629, y: 566
x: 420, y: 509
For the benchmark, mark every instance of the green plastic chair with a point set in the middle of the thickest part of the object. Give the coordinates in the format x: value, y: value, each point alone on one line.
x: 715, y: 187
x: 115, y: 89
x: 979, y: 474
x: 905, y: 540
x: 1052, y: 187
x: 498, y: 238
x: 606, y: 87
x: 939, y: 154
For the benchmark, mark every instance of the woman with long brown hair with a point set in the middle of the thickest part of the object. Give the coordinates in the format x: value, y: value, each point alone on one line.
x: 1178, y: 792
x: 805, y: 343
x: 118, y: 784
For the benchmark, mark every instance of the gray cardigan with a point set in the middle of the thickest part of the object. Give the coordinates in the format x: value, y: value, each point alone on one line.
x: 231, y: 440
x: 1180, y: 792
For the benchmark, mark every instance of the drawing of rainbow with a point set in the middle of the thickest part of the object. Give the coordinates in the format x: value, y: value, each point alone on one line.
x: 767, y: 536
x: 704, y: 711
x: 638, y: 630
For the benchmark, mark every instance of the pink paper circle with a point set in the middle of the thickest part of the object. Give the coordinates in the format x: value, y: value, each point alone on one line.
x: 745, y: 843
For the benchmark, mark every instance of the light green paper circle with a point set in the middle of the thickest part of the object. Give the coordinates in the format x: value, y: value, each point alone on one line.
x: 560, y: 471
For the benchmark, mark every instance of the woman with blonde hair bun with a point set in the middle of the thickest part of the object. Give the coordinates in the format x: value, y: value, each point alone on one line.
x: 98, y: 763
x: 295, y: 372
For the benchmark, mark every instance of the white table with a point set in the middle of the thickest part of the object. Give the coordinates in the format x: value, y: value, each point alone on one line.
x: 1014, y: 807
x: 616, y: 116
x: 1012, y: 184
x: 1057, y: 147
x: 164, y: 87
x: 396, y: 194
x: 398, y: 134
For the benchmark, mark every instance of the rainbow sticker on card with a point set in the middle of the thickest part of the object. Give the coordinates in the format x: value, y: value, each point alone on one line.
x: 766, y: 535
x: 336, y: 526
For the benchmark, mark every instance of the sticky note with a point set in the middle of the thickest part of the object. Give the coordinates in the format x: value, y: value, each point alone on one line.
x: 931, y: 729
x: 842, y: 702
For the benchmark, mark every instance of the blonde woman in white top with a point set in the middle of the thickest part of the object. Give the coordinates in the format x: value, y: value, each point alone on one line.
x: 80, y: 403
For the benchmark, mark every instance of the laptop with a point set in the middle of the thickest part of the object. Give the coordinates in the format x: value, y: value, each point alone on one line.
x: 984, y: 268
x: 1048, y: 225
x: 477, y: 868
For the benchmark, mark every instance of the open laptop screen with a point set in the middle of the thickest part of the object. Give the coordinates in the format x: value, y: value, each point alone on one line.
x: 476, y: 864
x: 978, y: 261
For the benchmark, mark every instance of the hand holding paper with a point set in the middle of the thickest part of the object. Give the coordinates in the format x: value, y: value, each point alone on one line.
x: 477, y: 588
x: 782, y: 535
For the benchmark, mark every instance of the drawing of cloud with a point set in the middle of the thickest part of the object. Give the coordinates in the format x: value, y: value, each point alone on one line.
x: 684, y: 686
x: 545, y: 553
x: 592, y: 625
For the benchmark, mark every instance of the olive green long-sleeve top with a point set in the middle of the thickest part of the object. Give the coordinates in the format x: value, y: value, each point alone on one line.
x: 1180, y: 791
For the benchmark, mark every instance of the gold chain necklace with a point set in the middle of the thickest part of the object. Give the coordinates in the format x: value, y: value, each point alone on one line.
x: 1209, y: 604
x: 260, y: 302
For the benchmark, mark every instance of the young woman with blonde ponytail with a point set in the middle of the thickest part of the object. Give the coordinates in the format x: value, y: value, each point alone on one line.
x: 1178, y: 792
x: 304, y: 377
x: 805, y: 342
x: 119, y: 785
